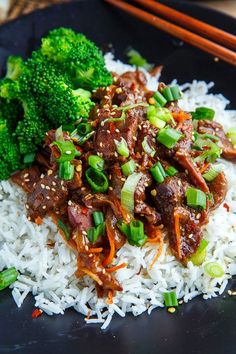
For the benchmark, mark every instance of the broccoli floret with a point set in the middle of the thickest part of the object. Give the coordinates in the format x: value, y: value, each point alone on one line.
x: 30, y: 131
x: 64, y: 105
x: 15, y: 67
x: 11, y: 112
x: 10, y: 156
x: 9, y: 89
x: 77, y: 56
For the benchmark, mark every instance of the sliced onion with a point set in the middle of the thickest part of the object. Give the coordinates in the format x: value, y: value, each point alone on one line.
x: 128, y: 190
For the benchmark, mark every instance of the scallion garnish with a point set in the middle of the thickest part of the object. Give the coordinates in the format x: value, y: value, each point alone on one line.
x: 98, y: 217
x: 169, y: 137
x: 232, y: 136
x: 170, y: 299
x: 135, y: 58
x: 158, y: 172
x: 67, y: 150
x: 134, y: 231
x: 214, y: 270
x: 147, y: 148
x: 200, y: 255
x: 171, y: 93
x: 158, y: 116
x: 196, y: 198
x: 212, y: 173
x: 171, y: 171
x: 59, y: 134
x: 211, y: 154
x: 128, y: 168
x: 128, y: 190
x: 64, y: 228
x: 160, y: 99
x: 96, y: 162
x: 7, y: 277
x: 66, y: 170
x: 94, y: 233
x: 97, y: 180
x: 84, y: 128
x: 122, y: 147
x: 203, y: 113
x: 124, y: 228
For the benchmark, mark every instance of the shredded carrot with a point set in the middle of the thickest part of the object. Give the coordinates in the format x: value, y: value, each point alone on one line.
x: 38, y: 220
x: 177, y: 232
x: 226, y: 206
x: 115, y: 268
x: 125, y: 214
x: 158, y: 236
x: 110, y: 235
x: 180, y: 117
x: 88, y: 315
x: 92, y: 275
x: 36, y: 313
x: 204, y: 167
x: 95, y: 250
x: 110, y: 297
x: 160, y: 248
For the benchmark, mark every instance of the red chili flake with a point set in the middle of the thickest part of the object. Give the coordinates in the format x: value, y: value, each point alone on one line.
x: 36, y: 313
x: 79, y: 149
x: 226, y: 206
x: 112, y: 127
x: 84, y: 210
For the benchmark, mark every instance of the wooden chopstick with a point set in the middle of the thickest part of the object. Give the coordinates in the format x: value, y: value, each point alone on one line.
x: 191, y: 23
x: 204, y: 44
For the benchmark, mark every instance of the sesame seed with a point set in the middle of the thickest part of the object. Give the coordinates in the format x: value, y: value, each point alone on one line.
x: 118, y: 90
x: 27, y: 180
x: 29, y: 218
x: 50, y: 172
x: 216, y: 59
x: 78, y: 168
x: 117, y: 130
x: 42, y: 185
x: 190, y: 236
x: 198, y: 216
x: 110, y: 177
x: 115, y: 154
x: 171, y: 309
x: 179, y: 183
x: 108, y: 131
x: 42, y: 175
x: 26, y: 175
x: 153, y: 140
x: 44, y: 207
x: 74, y: 237
x: 34, y: 184
x: 101, y: 144
x: 146, y: 184
x: 54, y: 183
x: 181, y: 302
x: 110, y: 188
x: 140, y: 189
x: 48, y: 188
x: 134, y: 138
x: 230, y: 292
x: 153, y: 192
x: 68, y: 152
x: 107, y: 97
x: 83, y: 189
x: 27, y: 206
x: 69, y: 202
x: 139, y: 126
x: 86, y: 248
x: 103, y: 271
x: 113, y: 113
x: 123, y: 179
x: 47, y: 197
x: 90, y: 255
x: 84, y: 233
x: 102, y: 124
x: 54, y: 190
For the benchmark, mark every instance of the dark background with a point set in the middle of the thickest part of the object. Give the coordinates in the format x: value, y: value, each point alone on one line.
x: 206, y: 327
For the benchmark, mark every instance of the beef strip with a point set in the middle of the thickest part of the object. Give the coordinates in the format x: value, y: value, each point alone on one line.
x: 48, y: 194
x: 170, y: 201
x: 27, y: 178
x: 214, y: 128
x: 80, y: 217
x: 218, y: 187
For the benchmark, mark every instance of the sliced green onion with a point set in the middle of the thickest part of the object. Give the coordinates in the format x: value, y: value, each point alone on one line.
x: 124, y: 109
x: 200, y: 255
x: 203, y: 113
x: 166, y: 92
x: 81, y: 139
x: 59, y: 134
x: 84, y: 128
x: 160, y: 99
x: 196, y: 198
x: 214, y: 270
x: 158, y: 115
x: 170, y: 299
x: 147, y: 148
x: 171, y: 171
x: 96, y: 162
x: 66, y: 170
x: 68, y: 128
x: 213, y: 152
x: 122, y: 147
x: 128, y: 190
x: 232, y: 135
x: 158, y: 172
x: 64, y: 228
x: 67, y: 150
x: 212, y: 173
x: 8, y: 277
x: 124, y: 228
x: 94, y: 233
x: 137, y: 236
x: 128, y: 168
x: 176, y: 93
x: 135, y: 58
x: 169, y: 137
x: 29, y: 158
x: 97, y: 180
x: 98, y: 217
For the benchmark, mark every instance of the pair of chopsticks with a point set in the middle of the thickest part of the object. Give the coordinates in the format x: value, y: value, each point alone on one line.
x: 203, y: 29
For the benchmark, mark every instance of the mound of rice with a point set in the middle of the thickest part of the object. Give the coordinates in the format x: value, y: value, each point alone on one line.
x: 49, y: 272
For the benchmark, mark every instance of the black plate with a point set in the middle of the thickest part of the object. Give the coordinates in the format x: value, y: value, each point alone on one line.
x: 206, y: 327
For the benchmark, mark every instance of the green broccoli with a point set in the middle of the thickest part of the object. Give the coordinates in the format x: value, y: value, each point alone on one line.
x: 10, y: 156
x: 15, y: 67
x: 9, y: 89
x: 11, y: 112
x: 77, y: 56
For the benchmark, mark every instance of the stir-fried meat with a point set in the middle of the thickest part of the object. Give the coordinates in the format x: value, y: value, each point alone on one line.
x: 48, y: 194
x: 214, y: 128
x: 183, y: 223
x: 218, y: 187
x: 80, y: 217
x: 27, y: 178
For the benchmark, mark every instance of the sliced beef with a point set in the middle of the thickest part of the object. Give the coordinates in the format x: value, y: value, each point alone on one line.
x: 183, y: 223
x: 48, y: 194
x: 214, y: 128
x: 27, y: 178
x: 80, y: 217
x: 218, y: 187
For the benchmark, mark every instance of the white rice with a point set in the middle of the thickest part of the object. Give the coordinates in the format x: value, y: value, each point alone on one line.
x: 49, y: 273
